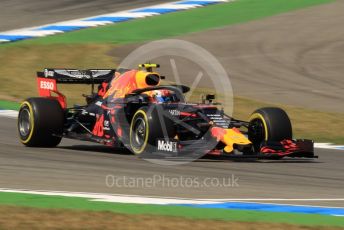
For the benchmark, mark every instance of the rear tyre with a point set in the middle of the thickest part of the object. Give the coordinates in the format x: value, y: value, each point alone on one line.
x: 147, y: 125
x: 269, y: 124
x: 40, y: 122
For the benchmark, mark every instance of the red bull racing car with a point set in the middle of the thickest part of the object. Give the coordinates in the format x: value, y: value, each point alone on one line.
x: 133, y: 109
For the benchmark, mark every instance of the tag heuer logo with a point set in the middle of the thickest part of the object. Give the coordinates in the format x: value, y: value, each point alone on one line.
x: 168, y: 146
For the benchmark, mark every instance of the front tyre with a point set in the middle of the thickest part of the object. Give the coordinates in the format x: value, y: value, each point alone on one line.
x: 40, y: 122
x: 139, y: 132
x: 147, y: 125
x: 269, y: 124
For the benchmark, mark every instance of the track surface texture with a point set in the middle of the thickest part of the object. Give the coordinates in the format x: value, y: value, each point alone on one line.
x: 15, y: 14
x: 78, y: 166
x: 294, y: 58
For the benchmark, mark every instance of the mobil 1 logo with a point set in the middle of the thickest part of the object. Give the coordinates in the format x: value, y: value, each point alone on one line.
x: 167, y: 145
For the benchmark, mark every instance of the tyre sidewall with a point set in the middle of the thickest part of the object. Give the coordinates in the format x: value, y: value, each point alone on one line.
x: 47, y: 120
x: 276, y: 124
x: 155, y: 123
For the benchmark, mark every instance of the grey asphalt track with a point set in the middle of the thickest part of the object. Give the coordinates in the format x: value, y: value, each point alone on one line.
x: 83, y: 167
x: 16, y: 14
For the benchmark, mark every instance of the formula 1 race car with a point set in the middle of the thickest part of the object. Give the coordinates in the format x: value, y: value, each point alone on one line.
x: 134, y: 110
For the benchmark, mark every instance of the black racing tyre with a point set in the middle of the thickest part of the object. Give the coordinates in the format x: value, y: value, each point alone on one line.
x: 40, y: 122
x: 269, y: 124
x: 147, y: 125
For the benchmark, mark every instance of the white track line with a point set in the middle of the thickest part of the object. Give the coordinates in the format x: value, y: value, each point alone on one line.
x: 9, y: 113
x: 328, y: 146
x: 84, y: 23
x: 122, y: 198
x: 117, y: 198
x: 38, y: 33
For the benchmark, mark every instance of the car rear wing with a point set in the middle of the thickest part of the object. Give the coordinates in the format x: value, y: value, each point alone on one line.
x: 75, y: 76
x: 48, y: 79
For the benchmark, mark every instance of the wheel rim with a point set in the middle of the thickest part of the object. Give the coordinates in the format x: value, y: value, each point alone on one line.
x: 24, y: 122
x: 256, y: 131
x: 139, y: 133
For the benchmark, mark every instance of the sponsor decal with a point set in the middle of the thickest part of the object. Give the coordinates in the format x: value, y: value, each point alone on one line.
x: 78, y: 74
x: 45, y: 85
x: 100, y: 72
x: 174, y: 112
x: 106, y: 125
x: 218, y: 120
x: 167, y: 145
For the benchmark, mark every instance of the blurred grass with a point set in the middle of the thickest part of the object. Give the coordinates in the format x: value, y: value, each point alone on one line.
x: 12, y: 210
x: 18, y: 81
x: 9, y: 105
x: 13, y: 217
x: 20, y: 63
x: 307, y: 124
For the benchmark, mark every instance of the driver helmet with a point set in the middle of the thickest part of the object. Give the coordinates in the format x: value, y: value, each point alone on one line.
x: 163, y: 95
